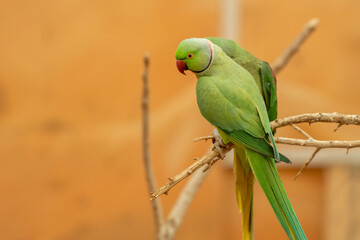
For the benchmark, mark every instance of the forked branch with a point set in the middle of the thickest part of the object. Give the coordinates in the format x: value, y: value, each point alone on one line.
x: 213, y: 155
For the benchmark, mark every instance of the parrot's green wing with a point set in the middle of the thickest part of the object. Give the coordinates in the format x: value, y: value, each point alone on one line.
x: 259, y: 145
x: 262, y: 74
x: 268, y: 80
x: 243, y: 106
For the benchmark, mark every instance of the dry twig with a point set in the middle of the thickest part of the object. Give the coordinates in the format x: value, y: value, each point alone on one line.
x: 307, y: 162
x: 150, y: 177
x: 203, y: 138
x: 294, y: 47
x: 209, y: 158
x: 300, y: 130
x: 310, y: 118
x: 318, y: 144
x: 311, y: 142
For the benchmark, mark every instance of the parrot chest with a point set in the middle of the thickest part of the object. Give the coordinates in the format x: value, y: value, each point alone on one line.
x: 227, y: 105
x: 217, y: 108
x: 209, y: 101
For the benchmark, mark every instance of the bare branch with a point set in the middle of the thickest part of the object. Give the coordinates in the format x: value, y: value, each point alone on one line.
x: 209, y: 158
x: 213, y: 155
x: 300, y: 130
x: 150, y: 177
x: 203, y: 138
x: 338, y: 126
x: 317, y: 143
x: 342, y: 119
x: 295, y: 45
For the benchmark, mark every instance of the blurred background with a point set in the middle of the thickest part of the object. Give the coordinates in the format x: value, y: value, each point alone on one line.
x: 70, y: 124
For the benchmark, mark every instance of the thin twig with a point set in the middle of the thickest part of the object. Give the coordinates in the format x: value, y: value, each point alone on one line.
x: 300, y: 130
x: 150, y: 177
x: 294, y: 47
x: 307, y: 162
x: 203, y: 138
x: 317, y: 143
x: 338, y: 126
x: 208, y: 158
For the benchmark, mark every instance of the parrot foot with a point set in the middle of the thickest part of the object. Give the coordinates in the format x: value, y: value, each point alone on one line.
x: 219, y: 150
x: 219, y: 146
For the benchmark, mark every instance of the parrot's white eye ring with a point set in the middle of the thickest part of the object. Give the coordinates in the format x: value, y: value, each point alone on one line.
x: 190, y: 56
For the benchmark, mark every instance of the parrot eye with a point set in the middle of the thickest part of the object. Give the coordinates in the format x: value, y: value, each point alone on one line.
x: 190, y: 56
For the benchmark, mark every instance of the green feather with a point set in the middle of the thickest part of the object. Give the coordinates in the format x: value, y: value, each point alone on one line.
x: 269, y: 90
x: 268, y: 177
x: 244, y: 191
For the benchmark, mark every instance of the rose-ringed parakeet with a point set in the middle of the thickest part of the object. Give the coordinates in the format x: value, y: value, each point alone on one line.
x: 229, y: 98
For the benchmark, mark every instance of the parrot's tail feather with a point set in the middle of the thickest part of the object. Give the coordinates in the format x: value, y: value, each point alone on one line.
x: 244, y: 191
x: 283, y: 198
x: 269, y: 180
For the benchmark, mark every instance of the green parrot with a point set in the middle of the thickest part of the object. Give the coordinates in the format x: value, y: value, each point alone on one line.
x: 232, y: 100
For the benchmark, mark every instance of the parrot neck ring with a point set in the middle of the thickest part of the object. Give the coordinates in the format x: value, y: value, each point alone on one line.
x: 211, y: 56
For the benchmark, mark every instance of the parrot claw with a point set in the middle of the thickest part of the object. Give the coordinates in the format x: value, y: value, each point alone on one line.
x: 218, y: 148
x: 218, y: 144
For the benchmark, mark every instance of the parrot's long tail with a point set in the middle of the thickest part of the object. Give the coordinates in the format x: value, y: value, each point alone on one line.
x: 268, y: 177
x: 244, y: 191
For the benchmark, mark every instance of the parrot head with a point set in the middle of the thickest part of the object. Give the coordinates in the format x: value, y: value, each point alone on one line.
x: 194, y: 54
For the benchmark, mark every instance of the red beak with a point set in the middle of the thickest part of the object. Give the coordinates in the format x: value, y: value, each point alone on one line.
x: 181, y: 66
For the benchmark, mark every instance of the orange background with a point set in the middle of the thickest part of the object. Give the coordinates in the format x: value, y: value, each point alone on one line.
x: 70, y: 127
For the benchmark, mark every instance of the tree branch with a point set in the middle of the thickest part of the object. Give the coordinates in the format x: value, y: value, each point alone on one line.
x: 311, y: 142
x: 294, y: 47
x: 317, y: 143
x: 209, y: 158
x: 150, y: 177
x: 310, y: 118
x: 212, y: 155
